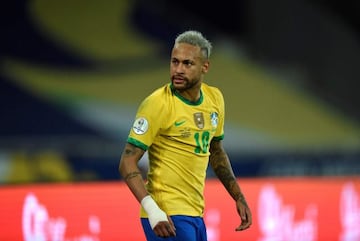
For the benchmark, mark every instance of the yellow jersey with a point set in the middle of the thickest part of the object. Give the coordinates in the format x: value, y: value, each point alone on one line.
x: 177, y: 135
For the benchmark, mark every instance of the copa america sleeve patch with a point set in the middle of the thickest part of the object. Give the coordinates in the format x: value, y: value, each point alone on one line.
x: 140, y: 125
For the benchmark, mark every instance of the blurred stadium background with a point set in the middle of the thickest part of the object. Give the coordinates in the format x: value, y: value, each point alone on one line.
x: 73, y: 73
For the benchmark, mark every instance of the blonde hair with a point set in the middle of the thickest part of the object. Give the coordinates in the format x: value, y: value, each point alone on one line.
x: 197, y: 39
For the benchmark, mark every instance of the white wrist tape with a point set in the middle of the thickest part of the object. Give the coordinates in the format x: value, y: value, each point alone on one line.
x: 155, y: 214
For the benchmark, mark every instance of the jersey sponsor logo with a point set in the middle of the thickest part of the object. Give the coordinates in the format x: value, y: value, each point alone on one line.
x: 214, y: 118
x: 199, y: 120
x: 140, y: 126
x: 179, y: 123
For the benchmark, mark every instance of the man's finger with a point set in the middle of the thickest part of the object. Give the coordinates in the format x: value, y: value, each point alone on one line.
x: 164, y: 229
x: 171, y: 230
x: 171, y: 223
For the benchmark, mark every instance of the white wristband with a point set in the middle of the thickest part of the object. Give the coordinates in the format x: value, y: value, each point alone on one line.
x: 155, y: 214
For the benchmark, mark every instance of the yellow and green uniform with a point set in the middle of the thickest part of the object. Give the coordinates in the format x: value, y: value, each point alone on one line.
x: 177, y: 134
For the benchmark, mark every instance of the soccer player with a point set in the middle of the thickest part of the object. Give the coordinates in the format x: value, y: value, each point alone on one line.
x: 181, y: 125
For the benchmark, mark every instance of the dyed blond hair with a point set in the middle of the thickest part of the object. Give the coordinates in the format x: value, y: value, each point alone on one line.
x: 197, y: 39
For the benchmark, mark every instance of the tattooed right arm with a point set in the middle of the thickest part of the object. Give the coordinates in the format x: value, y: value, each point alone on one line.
x: 130, y: 172
x: 131, y: 175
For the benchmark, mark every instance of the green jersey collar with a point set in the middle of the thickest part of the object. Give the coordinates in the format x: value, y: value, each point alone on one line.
x: 186, y: 101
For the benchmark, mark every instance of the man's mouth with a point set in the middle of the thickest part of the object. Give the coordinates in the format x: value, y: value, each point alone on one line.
x: 178, y: 80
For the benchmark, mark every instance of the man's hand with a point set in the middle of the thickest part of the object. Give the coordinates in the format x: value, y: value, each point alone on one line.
x: 165, y: 228
x: 245, y: 214
x: 162, y: 224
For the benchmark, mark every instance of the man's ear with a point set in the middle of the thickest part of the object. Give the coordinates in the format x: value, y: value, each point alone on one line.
x: 205, y: 67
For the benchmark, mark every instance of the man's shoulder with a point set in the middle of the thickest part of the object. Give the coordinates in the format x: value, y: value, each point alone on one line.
x: 162, y: 90
x: 211, y: 90
x: 159, y: 95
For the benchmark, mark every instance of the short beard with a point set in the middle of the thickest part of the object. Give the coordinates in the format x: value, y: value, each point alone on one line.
x: 188, y: 84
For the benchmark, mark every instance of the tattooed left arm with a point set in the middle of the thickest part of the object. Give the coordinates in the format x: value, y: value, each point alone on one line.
x: 220, y: 163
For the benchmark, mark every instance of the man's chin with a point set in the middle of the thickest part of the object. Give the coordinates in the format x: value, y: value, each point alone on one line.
x: 179, y: 86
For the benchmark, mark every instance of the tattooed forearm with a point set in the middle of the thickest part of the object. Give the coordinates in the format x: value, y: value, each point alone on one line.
x: 131, y: 175
x: 130, y: 150
x: 222, y: 168
x: 128, y: 162
x: 242, y: 199
x: 228, y: 179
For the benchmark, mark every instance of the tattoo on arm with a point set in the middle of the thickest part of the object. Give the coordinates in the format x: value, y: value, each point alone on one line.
x: 130, y: 155
x: 130, y: 150
x: 220, y: 163
x: 132, y: 175
x: 242, y: 199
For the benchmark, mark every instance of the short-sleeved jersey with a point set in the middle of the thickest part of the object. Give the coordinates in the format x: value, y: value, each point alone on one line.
x: 177, y: 135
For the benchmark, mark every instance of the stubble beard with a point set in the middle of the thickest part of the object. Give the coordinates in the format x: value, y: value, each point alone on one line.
x: 186, y: 86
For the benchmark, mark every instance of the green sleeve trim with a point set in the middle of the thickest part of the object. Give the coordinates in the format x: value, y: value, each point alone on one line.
x: 137, y: 143
x: 218, y: 138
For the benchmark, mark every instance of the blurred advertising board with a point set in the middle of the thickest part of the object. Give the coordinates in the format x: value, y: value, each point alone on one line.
x: 284, y: 209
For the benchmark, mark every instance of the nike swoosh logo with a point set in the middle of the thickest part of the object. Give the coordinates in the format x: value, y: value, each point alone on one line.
x: 179, y: 123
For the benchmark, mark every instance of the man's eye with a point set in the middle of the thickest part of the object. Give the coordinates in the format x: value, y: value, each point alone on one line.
x: 188, y: 63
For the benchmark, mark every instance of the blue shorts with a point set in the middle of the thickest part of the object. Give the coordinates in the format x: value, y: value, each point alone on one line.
x: 187, y: 228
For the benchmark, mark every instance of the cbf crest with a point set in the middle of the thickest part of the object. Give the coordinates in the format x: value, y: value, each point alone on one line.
x: 214, y: 119
x: 199, y: 120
